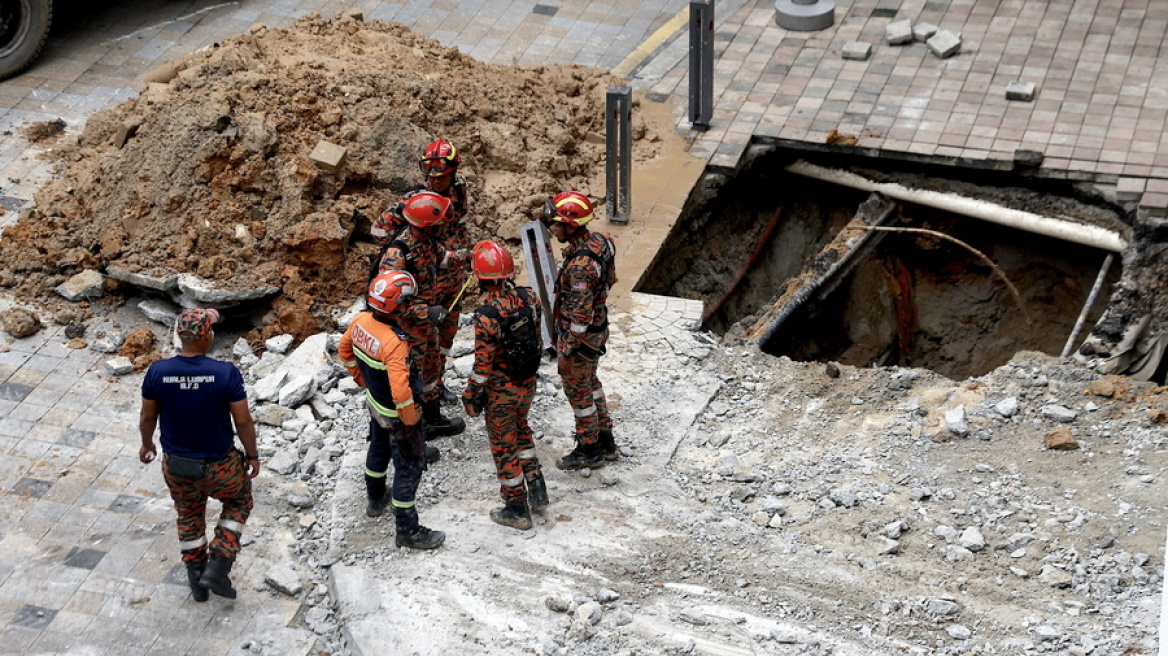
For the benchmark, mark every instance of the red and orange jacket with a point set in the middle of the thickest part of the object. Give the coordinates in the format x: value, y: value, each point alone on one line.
x: 378, y: 358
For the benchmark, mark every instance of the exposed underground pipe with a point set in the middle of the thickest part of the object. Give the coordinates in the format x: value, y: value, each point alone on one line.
x: 883, y: 210
x: 1087, y: 235
x: 1087, y: 306
x: 746, y: 267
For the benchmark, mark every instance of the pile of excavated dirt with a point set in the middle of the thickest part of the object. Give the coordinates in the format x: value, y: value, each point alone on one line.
x: 210, y: 174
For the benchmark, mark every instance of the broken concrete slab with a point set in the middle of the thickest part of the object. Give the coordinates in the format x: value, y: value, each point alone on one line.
x: 159, y: 311
x: 85, y: 285
x: 119, y: 366
x: 203, y: 291
x: 163, y: 283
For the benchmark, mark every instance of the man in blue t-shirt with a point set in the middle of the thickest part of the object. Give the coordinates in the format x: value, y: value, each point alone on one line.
x: 197, y: 398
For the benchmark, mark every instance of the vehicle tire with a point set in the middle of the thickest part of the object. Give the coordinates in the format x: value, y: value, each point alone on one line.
x: 24, y: 26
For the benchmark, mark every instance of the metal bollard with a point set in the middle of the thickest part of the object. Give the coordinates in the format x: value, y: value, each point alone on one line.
x: 701, y: 63
x: 619, y: 152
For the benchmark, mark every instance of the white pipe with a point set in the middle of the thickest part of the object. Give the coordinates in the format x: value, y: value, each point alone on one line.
x: 1078, y: 233
x: 1087, y: 306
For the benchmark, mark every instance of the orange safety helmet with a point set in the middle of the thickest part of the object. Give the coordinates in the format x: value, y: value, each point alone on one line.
x: 426, y: 209
x: 571, y: 207
x: 388, y: 290
x: 439, y: 158
x: 491, y: 261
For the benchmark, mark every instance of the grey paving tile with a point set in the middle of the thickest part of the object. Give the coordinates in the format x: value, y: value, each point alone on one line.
x: 83, y: 558
x: 34, y: 617
x: 32, y: 487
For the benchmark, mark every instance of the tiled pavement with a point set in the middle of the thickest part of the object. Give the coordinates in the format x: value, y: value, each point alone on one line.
x: 87, y: 551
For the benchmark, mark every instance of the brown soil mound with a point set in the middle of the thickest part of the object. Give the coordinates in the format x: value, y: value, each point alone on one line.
x: 210, y: 174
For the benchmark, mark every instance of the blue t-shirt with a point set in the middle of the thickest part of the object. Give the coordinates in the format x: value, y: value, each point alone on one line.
x: 193, y: 394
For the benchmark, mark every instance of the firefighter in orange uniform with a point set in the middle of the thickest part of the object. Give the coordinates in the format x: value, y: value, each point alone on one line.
x: 502, y: 386
x: 375, y: 352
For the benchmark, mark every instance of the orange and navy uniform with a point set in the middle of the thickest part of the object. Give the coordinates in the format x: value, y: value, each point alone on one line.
x: 376, y: 356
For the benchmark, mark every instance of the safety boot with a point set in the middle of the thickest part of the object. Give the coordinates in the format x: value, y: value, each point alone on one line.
x: 438, y: 425
x: 198, y: 592
x: 537, y: 492
x: 422, y: 538
x: 608, y: 443
x: 433, y: 455
x: 376, y: 507
x: 215, y: 577
x: 514, y: 514
x: 584, y: 456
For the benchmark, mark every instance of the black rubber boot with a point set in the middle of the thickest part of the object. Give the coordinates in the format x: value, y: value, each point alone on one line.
x: 584, y: 456
x: 422, y: 538
x: 514, y: 514
x: 433, y: 455
x: 438, y: 425
x: 215, y: 576
x: 608, y: 443
x: 198, y: 592
x: 376, y: 507
x: 537, y: 493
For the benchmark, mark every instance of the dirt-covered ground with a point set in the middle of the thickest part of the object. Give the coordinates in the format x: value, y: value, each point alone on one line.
x: 210, y: 173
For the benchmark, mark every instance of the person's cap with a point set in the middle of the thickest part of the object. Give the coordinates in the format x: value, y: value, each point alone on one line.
x: 195, y: 323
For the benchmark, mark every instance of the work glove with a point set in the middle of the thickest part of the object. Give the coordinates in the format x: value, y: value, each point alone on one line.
x: 436, y: 314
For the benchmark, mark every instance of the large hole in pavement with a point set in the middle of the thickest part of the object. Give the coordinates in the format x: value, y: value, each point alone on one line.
x: 908, y: 299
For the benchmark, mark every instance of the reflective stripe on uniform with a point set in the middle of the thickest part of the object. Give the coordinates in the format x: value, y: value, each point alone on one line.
x: 527, y: 454
x: 192, y: 544
x: 585, y: 412
x: 430, y: 387
x: 374, y: 474
x: 372, y: 362
x: 349, y: 364
x: 514, y: 481
x: 230, y: 525
x: 405, y: 403
x: 402, y: 504
x: 578, y: 328
x: 478, y: 379
x: 377, y: 407
x: 599, y: 393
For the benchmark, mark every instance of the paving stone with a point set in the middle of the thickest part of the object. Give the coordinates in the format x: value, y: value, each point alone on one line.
x: 944, y: 44
x: 83, y: 558
x: 923, y: 31
x: 857, y: 50
x: 1019, y: 90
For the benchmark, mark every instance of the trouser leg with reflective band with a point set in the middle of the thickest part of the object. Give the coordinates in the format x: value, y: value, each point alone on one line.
x: 510, y: 437
x: 407, y: 474
x: 226, y: 481
x: 586, y: 396
x: 424, y: 347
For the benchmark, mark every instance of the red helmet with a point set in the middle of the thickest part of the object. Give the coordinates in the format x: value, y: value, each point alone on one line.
x: 388, y: 290
x: 426, y: 209
x: 439, y: 158
x: 571, y: 207
x: 491, y: 261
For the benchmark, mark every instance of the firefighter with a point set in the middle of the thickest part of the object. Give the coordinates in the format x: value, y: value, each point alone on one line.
x: 375, y: 352
x: 502, y: 386
x: 439, y: 163
x: 417, y: 251
x: 581, y: 324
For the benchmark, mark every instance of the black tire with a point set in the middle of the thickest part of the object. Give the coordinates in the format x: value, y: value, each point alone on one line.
x: 24, y: 26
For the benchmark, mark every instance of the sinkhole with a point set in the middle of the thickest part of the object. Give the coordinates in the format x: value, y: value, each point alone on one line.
x: 820, y: 271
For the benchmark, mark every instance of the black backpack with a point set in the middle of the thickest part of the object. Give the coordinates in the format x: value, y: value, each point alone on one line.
x: 521, y: 342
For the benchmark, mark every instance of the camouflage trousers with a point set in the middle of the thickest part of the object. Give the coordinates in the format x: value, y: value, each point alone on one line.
x: 586, y: 396
x: 226, y: 480
x: 447, y: 329
x: 424, y: 351
x: 512, y: 444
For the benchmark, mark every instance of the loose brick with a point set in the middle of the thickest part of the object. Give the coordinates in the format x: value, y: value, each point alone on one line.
x: 857, y: 50
x: 944, y: 44
x: 328, y: 156
x: 1019, y: 90
x: 899, y: 32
